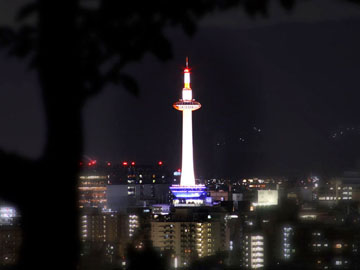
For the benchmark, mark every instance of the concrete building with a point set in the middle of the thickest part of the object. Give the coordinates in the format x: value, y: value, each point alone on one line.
x: 190, y: 234
x: 92, y: 191
x: 287, y: 243
x: 120, y: 197
x: 253, y: 251
x: 104, y: 231
x: 219, y: 195
x: 10, y: 236
x: 10, y: 243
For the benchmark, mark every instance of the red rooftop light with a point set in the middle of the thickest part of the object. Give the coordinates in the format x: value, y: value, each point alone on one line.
x: 125, y: 163
x: 133, y: 163
x: 109, y: 163
x: 160, y: 163
x: 93, y: 162
x: 89, y: 163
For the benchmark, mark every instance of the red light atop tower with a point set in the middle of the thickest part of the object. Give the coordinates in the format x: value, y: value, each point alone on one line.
x: 109, y: 163
x: 179, y: 170
x: 133, y: 163
x: 186, y: 70
x: 125, y: 163
x: 160, y: 163
x: 93, y: 162
x: 90, y: 163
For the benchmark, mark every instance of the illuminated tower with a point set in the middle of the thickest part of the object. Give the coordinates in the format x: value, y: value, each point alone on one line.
x: 187, y: 104
x: 187, y: 193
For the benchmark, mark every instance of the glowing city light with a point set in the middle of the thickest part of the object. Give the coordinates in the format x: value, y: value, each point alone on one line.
x: 125, y: 163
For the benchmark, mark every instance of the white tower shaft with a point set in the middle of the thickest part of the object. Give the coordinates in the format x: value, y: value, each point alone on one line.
x: 187, y: 170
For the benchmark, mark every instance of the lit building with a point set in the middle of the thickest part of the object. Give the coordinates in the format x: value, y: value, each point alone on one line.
x: 139, y: 227
x: 120, y: 197
x: 10, y: 242
x: 10, y: 236
x: 219, y: 195
x: 190, y: 234
x: 335, y: 191
x: 287, y: 242
x: 346, y: 188
x: 92, y: 191
x: 105, y: 231
x: 7, y: 215
x: 119, y: 186
x: 187, y: 193
x: 133, y: 224
x: 256, y: 183
x: 253, y: 250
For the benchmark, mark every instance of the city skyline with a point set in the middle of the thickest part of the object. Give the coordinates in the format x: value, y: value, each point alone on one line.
x: 89, y: 134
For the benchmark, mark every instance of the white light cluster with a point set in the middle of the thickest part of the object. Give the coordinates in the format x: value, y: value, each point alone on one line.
x: 257, y: 251
x: 267, y: 198
x: 133, y: 224
x: 6, y: 215
x: 287, y: 234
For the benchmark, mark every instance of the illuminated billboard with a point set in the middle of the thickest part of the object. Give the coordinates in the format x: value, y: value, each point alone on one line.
x: 267, y: 197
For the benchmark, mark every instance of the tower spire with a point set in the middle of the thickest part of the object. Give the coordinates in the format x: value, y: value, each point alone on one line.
x: 187, y: 75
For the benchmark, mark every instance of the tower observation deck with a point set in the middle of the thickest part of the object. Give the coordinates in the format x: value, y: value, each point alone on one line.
x: 187, y: 193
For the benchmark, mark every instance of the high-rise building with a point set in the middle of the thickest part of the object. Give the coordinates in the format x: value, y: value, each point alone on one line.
x: 191, y: 233
x: 287, y: 242
x: 119, y: 186
x: 253, y: 251
x: 10, y: 242
x: 10, y: 236
x: 92, y: 191
x: 187, y: 193
x: 104, y: 231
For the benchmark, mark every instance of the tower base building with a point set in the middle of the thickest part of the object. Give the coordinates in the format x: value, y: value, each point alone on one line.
x: 189, y: 195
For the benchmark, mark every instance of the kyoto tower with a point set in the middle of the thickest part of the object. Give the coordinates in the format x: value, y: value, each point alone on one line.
x: 187, y: 193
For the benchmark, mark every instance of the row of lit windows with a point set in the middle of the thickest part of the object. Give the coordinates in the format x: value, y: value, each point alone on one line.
x: 331, y: 198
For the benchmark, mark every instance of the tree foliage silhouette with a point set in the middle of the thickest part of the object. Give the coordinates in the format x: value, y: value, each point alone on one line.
x: 78, y: 47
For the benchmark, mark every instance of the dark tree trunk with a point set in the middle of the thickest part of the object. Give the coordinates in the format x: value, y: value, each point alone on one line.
x: 51, y: 229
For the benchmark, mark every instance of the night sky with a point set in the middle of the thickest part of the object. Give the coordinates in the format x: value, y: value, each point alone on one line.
x: 280, y: 96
